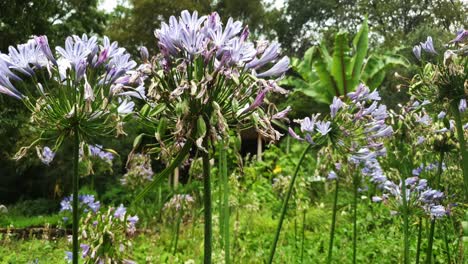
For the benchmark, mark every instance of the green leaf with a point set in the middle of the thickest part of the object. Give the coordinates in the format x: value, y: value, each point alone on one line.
x: 361, y: 44
x: 324, y: 75
x: 137, y: 141
x: 341, y: 63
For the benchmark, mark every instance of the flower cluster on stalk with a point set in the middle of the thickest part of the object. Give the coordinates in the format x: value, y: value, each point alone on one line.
x: 179, y: 206
x: 355, y: 129
x: 210, y: 78
x: 87, y: 83
x: 104, y: 234
x: 443, y: 78
x: 139, y: 172
x: 418, y: 195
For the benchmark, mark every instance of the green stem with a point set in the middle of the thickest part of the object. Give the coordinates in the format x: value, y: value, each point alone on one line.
x: 430, y: 242
x: 303, y: 235
x: 418, y: 247
x: 405, y: 222
x: 224, y: 176
x: 207, y: 201
x: 167, y: 171
x: 447, y: 248
x: 355, y: 201
x: 332, y: 228
x: 75, y: 183
x: 285, y: 205
x: 463, y: 148
x: 177, y: 230
x: 433, y: 221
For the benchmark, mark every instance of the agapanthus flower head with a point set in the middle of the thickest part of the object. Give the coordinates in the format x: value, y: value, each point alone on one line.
x: 355, y: 128
x: 211, y: 72
x: 70, y: 86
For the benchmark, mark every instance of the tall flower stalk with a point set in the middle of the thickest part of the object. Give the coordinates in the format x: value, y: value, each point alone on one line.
x: 207, y: 80
x: 284, y: 207
x: 355, y: 131
x: 78, y: 93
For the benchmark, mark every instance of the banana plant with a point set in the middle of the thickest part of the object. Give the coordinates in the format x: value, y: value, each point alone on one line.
x: 323, y: 76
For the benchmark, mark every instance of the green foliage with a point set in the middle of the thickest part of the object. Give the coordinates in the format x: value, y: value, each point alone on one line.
x: 323, y: 76
x: 55, y: 18
x: 301, y: 23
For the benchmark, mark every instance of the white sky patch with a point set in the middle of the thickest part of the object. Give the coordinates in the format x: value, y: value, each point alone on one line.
x: 108, y: 5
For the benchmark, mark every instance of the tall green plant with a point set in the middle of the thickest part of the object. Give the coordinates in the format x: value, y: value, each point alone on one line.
x: 322, y: 75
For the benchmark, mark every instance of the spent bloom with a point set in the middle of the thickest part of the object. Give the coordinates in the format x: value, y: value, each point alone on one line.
x: 209, y: 78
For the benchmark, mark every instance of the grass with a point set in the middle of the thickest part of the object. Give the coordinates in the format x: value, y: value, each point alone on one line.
x: 252, y: 235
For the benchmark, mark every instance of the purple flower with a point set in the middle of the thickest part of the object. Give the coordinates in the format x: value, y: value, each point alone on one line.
x: 120, y: 212
x: 462, y: 35
x: 421, y: 140
x: 133, y: 220
x: 125, y: 107
x: 270, y: 54
x: 283, y: 114
x: 437, y: 211
x: 380, y: 113
x: 308, y: 124
x: 376, y: 199
x: 441, y: 115
x: 294, y: 135
x: 46, y: 156
x: 74, y: 52
x: 425, y: 119
x: 428, y: 46
x: 257, y: 102
x: 144, y: 54
x: 43, y: 44
x: 68, y: 256
x: 278, y: 69
x: 85, y: 249
x: 323, y: 127
x: 462, y: 105
x: 411, y: 181
x: 332, y: 175
x: 65, y: 204
x: 421, y: 185
x: 9, y: 92
x: 95, y: 206
x: 417, y: 52
x: 80, y: 70
x: 335, y: 106
x: 387, y: 131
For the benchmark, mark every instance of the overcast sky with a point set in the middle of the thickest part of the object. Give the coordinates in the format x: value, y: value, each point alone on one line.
x: 109, y: 5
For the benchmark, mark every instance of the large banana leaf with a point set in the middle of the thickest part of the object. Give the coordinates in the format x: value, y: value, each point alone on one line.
x: 360, y: 45
x: 341, y: 66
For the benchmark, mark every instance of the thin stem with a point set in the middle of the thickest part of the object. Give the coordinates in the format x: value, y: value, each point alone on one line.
x: 418, y: 247
x: 75, y: 183
x: 355, y: 200
x: 430, y: 242
x: 405, y: 222
x: 285, y: 205
x: 332, y: 228
x: 303, y: 235
x: 207, y: 201
x: 178, y: 230
x: 433, y: 221
x: 224, y: 176
x: 447, y: 248
x: 463, y: 148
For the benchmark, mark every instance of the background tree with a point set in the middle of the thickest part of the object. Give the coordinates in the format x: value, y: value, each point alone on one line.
x: 303, y: 22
